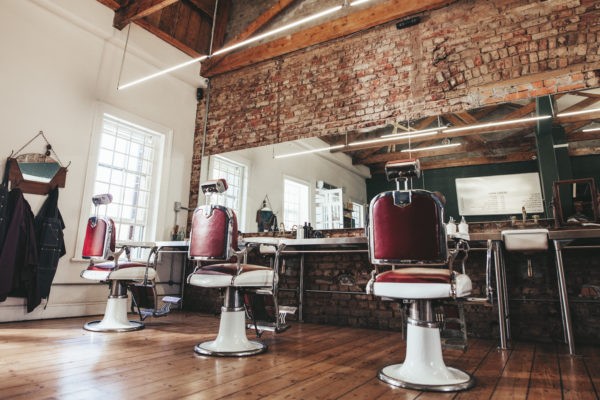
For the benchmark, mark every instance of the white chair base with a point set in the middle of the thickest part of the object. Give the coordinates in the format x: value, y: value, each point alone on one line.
x: 115, y: 318
x: 424, y: 367
x: 231, y: 340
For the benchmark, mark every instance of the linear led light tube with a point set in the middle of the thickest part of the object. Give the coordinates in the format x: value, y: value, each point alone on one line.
x: 568, y: 114
x: 358, y: 2
x: 424, y: 132
x: 591, y: 129
x: 439, y: 146
x: 499, y: 123
x: 277, y: 30
x: 299, y: 153
x: 237, y: 45
x: 369, y: 141
x: 164, y: 71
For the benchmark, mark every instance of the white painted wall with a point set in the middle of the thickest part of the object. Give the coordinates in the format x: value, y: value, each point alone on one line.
x: 266, y: 174
x: 61, y: 61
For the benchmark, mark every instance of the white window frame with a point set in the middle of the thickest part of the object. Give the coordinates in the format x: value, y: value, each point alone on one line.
x: 309, y: 198
x: 158, y: 193
x: 241, y: 213
x: 358, y: 214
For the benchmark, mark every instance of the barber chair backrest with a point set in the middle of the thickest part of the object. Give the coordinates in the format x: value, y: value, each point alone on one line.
x: 406, y: 228
x: 99, y: 239
x: 214, y: 233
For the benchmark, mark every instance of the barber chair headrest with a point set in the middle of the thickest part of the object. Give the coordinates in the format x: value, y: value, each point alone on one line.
x: 214, y: 186
x: 102, y: 199
x: 404, y: 169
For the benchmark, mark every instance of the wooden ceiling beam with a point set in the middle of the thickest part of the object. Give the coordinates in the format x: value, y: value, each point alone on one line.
x: 581, y: 136
x: 137, y: 10
x: 471, y: 132
x: 585, y: 151
x: 168, y: 38
x: 588, y: 101
x: 360, y: 20
x: 590, y: 117
x: 206, y: 6
x: 464, y: 162
x: 257, y: 24
x: 461, y: 161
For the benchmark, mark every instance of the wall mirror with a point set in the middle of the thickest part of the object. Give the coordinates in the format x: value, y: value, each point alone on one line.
x: 576, y: 202
x: 488, y: 140
x: 36, y: 173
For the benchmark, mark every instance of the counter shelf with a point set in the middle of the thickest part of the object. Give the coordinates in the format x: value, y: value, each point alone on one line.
x: 566, y: 239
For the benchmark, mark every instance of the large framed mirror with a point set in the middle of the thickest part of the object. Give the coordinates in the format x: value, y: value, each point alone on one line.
x: 483, y: 141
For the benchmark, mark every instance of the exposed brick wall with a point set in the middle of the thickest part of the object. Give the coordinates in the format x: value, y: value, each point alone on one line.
x: 468, y: 54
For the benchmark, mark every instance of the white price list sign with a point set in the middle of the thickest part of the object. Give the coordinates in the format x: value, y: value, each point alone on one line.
x: 499, y: 194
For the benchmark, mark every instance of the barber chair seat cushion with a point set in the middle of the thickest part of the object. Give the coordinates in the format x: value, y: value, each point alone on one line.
x: 127, y: 271
x: 224, y: 275
x: 420, y: 283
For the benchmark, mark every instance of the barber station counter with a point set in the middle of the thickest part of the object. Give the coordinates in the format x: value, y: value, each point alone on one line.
x: 326, y: 277
x: 301, y: 247
x: 568, y: 238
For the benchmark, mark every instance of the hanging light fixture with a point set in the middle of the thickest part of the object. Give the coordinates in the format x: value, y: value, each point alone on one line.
x: 596, y: 129
x: 498, y: 123
x: 227, y: 49
x: 445, y: 144
x: 570, y: 114
x: 319, y: 150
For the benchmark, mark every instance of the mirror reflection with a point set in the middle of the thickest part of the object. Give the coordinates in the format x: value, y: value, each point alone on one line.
x: 37, y: 167
x: 327, y: 181
x: 319, y: 188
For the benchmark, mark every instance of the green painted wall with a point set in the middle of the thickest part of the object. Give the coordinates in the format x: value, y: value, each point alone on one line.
x: 443, y: 180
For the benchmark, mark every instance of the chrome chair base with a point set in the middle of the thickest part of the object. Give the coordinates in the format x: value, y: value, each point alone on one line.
x: 209, y: 349
x: 231, y: 340
x: 464, y: 380
x: 115, y: 318
x: 423, y: 367
x: 98, y: 326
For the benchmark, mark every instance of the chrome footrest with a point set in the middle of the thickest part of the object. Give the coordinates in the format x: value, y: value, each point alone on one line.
x: 262, y: 326
x: 168, y: 301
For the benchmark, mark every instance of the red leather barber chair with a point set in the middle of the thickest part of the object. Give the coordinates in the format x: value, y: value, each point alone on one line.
x: 214, y: 237
x: 106, y: 265
x: 406, y: 231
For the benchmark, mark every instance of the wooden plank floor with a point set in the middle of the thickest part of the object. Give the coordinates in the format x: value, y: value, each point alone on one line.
x: 57, y: 359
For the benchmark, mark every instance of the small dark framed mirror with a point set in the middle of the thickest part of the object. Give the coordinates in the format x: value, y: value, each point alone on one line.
x: 36, y: 173
x: 576, y: 202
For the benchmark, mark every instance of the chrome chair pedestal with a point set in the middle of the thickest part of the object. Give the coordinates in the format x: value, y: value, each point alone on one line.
x: 424, y: 367
x: 231, y: 340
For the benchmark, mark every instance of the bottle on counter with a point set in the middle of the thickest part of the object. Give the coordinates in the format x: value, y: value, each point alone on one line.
x: 451, y: 227
x: 300, y: 232
x: 305, y: 228
x: 310, y: 231
x: 463, y: 227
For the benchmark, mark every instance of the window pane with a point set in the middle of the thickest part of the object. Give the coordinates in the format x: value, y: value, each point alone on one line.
x: 125, y: 163
x: 295, y: 203
x: 234, y: 174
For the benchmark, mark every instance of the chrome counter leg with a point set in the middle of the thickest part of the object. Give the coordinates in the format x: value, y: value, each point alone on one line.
x: 564, y: 299
x: 501, y: 294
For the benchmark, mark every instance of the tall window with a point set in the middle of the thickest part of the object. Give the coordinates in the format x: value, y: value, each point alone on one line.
x: 235, y: 175
x: 358, y: 215
x: 295, y: 203
x: 128, y: 165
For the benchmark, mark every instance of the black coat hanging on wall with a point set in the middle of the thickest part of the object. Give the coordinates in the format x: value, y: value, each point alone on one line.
x: 49, y: 227
x: 30, y: 247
